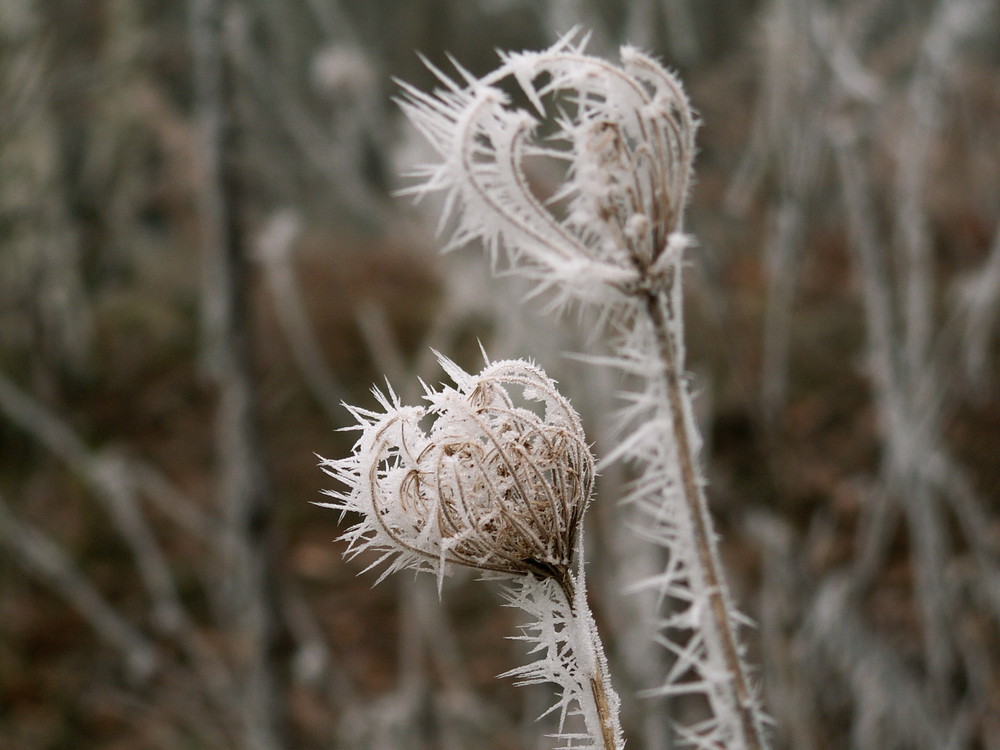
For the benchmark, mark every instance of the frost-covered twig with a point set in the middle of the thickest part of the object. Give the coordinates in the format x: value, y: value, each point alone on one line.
x: 498, y: 481
x: 980, y: 304
x: 608, y: 237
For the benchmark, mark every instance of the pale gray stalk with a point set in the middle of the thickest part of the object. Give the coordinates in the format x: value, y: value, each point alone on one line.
x: 173, y: 503
x: 42, y: 260
x: 904, y: 427
x: 893, y: 708
x: 968, y: 506
x: 784, y: 587
x: 953, y: 22
x: 908, y: 359
x: 247, y: 598
x: 275, y: 254
x: 980, y: 301
x: 110, y: 477
x: 788, y: 136
x: 22, y: 77
x: 55, y: 434
x: 782, y: 250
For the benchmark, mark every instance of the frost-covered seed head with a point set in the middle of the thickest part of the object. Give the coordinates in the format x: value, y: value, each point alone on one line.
x: 498, y: 479
x: 615, y: 141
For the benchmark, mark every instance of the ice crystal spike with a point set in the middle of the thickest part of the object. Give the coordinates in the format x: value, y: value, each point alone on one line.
x: 498, y: 481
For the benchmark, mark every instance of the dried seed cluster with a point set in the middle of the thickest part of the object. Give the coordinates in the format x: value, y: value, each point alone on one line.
x: 615, y: 142
x: 497, y: 481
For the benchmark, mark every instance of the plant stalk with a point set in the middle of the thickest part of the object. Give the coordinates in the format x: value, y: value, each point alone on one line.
x: 600, y: 685
x: 659, y: 308
x: 597, y: 686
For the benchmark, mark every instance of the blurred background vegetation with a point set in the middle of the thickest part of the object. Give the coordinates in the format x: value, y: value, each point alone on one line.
x: 200, y: 257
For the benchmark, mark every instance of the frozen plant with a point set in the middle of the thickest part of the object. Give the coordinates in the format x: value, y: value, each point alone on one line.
x: 493, y: 474
x: 583, y: 194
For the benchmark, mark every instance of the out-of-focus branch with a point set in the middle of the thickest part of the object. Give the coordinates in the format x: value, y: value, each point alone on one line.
x: 884, y: 690
x: 908, y: 427
x: 782, y: 591
x: 908, y: 358
x: 116, y: 481
x: 50, y: 431
x: 247, y: 598
x: 373, y: 323
x: 338, y: 150
x: 42, y: 556
x: 954, y: 22
x: 980, y: 303
x: 274, y: 251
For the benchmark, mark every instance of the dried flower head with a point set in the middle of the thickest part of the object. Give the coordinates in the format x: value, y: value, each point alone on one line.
x: 617, y: 141
x: 498, y: 479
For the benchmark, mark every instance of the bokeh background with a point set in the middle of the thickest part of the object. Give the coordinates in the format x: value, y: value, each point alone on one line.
x: 201, y: 257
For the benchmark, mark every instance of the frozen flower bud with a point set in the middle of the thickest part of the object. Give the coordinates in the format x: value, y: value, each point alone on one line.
x: 492, y: 474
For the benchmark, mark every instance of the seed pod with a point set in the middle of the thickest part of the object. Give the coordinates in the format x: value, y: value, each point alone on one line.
x: 498, y: 479
x: 613, y: 143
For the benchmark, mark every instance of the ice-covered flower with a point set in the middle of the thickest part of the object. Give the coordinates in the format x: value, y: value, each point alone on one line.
x: 493, y: 473
x: 586, y: 185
